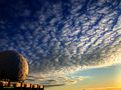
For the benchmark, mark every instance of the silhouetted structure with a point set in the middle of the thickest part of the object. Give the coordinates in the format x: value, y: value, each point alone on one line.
x: 13, y: 66
x: 13, y: 71
x: 7, y: 85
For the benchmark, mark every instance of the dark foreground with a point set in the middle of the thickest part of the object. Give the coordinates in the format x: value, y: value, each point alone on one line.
x: 19, y: 88
x: 7, y: 85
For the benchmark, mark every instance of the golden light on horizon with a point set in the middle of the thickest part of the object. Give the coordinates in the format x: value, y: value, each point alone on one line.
x: 118, y: 78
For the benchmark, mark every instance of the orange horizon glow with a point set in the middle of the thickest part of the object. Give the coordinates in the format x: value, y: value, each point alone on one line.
x: 103, y: 88
x: 108, y: 81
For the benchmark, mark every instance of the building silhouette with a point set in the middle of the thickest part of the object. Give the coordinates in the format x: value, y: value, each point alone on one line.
x: 14, y: 71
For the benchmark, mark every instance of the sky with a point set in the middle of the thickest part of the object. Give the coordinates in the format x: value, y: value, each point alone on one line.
x: 104, y: 78
x: 70, y: 44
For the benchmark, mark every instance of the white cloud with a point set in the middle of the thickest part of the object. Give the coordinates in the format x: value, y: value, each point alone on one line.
x: 83, y: 38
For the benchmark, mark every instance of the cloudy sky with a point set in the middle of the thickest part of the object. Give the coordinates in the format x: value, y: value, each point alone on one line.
x: 70, y: 44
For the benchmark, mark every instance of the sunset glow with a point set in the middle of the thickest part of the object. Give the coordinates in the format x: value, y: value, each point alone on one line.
x: 69, y: 44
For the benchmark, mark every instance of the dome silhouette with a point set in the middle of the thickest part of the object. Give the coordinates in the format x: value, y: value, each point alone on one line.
x: 13, y: 66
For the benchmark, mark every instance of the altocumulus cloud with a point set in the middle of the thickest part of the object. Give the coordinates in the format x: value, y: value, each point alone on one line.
x: 59, y: 37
